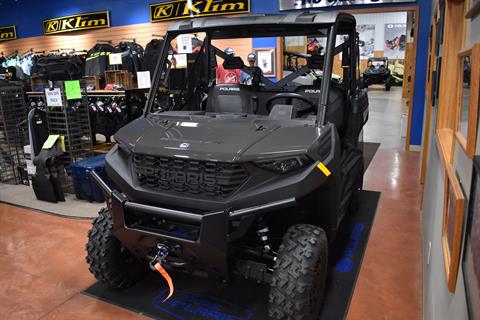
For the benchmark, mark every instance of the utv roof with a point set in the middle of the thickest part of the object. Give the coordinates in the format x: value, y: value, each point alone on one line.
x: 266, y: 24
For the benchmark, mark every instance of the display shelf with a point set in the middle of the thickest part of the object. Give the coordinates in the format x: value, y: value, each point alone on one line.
x: 12, y: 126
x: 72, y: 122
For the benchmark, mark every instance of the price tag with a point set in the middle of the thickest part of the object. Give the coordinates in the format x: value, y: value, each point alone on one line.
x: 185, y: 43
x: 72, y: 90
x: 115, y: 58
x: 181, y: 61
x: 54, y: 97
x: 143, y: 79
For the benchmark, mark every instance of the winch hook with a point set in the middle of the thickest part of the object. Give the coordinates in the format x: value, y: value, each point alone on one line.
x: 156, y: 265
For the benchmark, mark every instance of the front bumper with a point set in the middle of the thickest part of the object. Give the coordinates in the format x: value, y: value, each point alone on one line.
x: 209, y: 249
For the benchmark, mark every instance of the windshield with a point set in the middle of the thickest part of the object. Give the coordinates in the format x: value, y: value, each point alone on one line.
x: 197, y: 73
x: 378, y: 63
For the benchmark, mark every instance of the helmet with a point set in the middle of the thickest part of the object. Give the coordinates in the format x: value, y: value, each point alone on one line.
x: 252, y: 57
x: 229, y: 52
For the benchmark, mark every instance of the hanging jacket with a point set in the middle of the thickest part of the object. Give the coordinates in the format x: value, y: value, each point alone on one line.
x: 58, y: 67
x: 152, y: 54
x: 97, y: 60
x: 132, y: 55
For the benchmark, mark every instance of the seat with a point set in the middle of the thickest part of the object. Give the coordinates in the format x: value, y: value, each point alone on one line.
x: 232, y: 98
x: 336, y: 103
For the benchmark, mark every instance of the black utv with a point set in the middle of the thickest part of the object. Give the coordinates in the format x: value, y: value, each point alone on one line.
x: 248, y: 178
x: 377, y: 72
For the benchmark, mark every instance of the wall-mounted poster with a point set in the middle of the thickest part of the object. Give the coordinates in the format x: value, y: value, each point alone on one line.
x: 395, y: 40
x: 367, y: 40
x: 266, y: 61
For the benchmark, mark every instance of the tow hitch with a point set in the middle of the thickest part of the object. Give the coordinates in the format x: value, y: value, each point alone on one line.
x: 156, y: 265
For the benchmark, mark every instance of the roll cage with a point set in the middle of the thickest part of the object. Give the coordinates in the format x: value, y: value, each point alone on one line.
x: 292, y: 24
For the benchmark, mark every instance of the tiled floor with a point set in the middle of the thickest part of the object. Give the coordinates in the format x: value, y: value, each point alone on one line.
x: 43, y: 269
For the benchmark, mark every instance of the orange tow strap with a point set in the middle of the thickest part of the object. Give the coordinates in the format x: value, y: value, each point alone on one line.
x: 167, y: 277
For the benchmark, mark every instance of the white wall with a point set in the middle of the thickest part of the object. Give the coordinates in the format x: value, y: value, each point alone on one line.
x: 380, y: 19
x: 439, y: 303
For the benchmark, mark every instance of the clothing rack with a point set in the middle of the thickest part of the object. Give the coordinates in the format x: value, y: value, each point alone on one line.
x: 130, y: 39
x: 157, y: 36
x: 12, y: 54
x: 27, y: 52
x: 104, y: 41
x: 105, y: 95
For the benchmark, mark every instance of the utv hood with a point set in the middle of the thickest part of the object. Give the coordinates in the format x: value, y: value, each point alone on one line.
x: 217, y: 139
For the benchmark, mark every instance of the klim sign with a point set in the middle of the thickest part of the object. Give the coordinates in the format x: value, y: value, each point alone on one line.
x: 184, y: 9
x: 8, y: 33
x: 77, y: 22
x: 307, y: 4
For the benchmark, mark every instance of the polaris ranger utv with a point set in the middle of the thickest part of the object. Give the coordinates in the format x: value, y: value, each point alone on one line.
x: 378, y: 72
x: 223, y: 179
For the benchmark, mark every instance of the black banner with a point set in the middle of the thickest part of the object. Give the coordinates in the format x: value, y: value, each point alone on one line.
x: 8, y: 33
x: 77, y: 22
x: 183, y: 9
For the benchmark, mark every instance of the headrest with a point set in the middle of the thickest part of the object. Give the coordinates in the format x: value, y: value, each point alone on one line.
x: 231, y: 63
x: 315, y: 61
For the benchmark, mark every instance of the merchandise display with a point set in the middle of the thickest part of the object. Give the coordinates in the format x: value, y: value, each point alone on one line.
x: 96, y: 61
x: 151, y: 56
x: 188, y: 195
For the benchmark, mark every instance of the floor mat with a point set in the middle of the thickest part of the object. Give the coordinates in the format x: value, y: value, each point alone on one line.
x: 200, y: 299
x: 369, y: 151
x: 23, y: 196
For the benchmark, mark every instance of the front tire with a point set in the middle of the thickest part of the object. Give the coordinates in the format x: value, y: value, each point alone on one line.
x: 299, y: 276
x: 108, y: 260
x: 388, y: 84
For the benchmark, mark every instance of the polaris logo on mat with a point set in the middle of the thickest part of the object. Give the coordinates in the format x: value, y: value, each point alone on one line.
x: 185, y: 305
x: 186, y: 9
x: 229, y: 89
x: 345, y: 264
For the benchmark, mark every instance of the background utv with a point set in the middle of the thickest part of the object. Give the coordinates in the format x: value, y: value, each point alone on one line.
x: 378, y: 72
x: 231, y: 179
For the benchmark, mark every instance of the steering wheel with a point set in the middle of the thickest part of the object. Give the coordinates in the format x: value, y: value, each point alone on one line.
x: 291, y: 96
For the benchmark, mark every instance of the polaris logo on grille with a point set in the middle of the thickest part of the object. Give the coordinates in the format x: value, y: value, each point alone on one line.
x: 191, y: 178
x: 312, y: 91
x: 229, y: 89
x: 185, y: 145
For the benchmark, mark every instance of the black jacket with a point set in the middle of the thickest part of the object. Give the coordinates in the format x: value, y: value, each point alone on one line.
x: 97, y: 60
x: 152, y: 54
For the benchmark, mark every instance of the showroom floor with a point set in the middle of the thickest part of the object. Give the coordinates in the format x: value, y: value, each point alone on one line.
x: 43, y: 269
x: 385, y: 118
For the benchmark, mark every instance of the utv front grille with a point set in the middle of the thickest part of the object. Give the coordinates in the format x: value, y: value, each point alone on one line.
x: 201, y: 178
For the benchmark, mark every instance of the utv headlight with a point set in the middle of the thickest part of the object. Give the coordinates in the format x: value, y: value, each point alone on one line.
x: 124, y: 148
x: 285, y: 165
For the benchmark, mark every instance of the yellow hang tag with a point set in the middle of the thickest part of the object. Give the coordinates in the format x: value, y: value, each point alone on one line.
x: 62, y: 143
x: 324, y: 169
